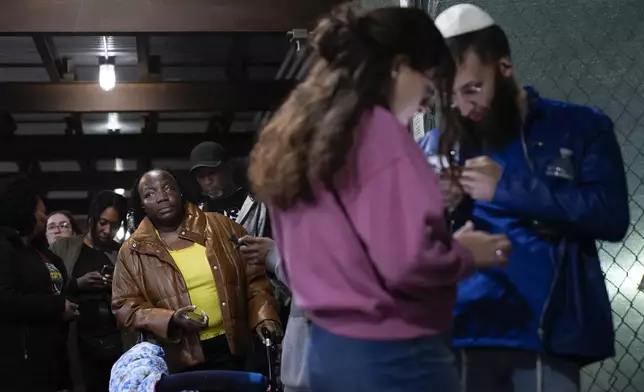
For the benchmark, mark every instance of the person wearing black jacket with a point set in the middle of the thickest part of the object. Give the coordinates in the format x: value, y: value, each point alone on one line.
x: 34, y: 309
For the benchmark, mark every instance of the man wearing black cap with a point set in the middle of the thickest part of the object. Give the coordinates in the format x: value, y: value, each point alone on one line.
x: 214, y: 173
x: 210, y: 165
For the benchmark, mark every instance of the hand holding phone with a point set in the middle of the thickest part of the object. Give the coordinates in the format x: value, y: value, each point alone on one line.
x: 235, y: 240
x: 189, y: 320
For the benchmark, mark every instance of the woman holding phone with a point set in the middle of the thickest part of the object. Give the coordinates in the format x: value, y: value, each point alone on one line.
x: 180, y: 277
x: 95, y: 339
x: 356, y: 208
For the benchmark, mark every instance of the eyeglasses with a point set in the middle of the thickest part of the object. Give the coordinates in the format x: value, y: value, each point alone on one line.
x: 62, y: 226
x: 465, y: 93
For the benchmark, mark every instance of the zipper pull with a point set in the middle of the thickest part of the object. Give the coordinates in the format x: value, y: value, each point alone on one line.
x: 26, y: 354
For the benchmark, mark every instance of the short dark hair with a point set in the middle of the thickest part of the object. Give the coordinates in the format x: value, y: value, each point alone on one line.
x: 136, y: 210
x: 76, y: 229
x: 489, y: 44
x: 18, y: 200
x: 102, y: 201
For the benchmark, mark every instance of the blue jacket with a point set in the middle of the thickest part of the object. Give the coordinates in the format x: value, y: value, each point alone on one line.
x: 552, y: 296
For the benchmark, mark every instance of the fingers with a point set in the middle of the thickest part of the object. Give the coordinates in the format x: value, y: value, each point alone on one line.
x: 185, y: 309
x: 249, y: 249
x: 477, y: 162
x: 467, y: 227
x: 248, y: 239
x: 206, y: 319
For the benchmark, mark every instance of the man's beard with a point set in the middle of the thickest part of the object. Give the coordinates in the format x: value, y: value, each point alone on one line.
x: 503, y: 119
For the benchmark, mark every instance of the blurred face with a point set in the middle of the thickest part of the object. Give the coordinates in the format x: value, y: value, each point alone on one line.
x: 412, y: 92
x: 160, y: 196
x: 487, y: 98
x: 214, y: 181
x: 58, y: 225
x: 41, y: 217
x: 107, y: 226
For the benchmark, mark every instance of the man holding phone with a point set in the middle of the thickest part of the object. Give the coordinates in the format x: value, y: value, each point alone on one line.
x: 550, y: 176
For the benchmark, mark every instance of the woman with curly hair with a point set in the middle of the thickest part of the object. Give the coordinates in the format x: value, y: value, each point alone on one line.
x: 34, y: 311
x: 356, y: 208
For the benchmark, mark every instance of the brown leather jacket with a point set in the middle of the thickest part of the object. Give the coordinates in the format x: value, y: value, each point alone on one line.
x: 148, y: 287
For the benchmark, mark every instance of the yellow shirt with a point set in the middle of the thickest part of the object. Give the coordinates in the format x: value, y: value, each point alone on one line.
x: 194, y: 267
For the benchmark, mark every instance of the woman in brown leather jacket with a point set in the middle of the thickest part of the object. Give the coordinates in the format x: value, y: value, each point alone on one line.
x: 181, y: 277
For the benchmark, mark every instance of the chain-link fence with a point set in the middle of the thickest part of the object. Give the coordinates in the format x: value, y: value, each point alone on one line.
x: 592, y: 52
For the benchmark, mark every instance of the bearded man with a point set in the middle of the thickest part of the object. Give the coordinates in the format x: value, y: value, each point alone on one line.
x: 550, y: 176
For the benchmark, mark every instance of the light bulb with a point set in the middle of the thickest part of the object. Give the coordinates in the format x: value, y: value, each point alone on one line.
x: 107, y: 76
x: 120, y: 191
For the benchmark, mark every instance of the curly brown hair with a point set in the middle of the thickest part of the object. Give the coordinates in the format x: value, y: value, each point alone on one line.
x: 308, y: 139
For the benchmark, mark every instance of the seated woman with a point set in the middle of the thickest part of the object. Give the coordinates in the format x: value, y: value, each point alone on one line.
x: 34, y: 309
x: 181, y: 277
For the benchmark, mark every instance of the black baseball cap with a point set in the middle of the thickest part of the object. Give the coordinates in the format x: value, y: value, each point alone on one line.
x: 207, y: 154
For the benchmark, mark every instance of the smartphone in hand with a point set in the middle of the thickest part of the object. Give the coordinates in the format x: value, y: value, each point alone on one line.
x: 235, y: 240
x: 196, y: 316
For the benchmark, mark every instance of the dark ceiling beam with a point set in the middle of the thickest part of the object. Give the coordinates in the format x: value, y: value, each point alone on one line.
x: 83, y: 181
x: 74, y: 124
x: 151, y: 119
x: 75, y: 206
x: 102, y: 17
x: 8, y: 125
x: 49, y: 55
x: 207, y: 63
x: 142, y: 97
x: 125, y: 146
x: 143, y: 57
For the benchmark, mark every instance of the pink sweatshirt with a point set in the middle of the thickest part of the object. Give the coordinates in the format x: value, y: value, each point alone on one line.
x: 405, y: 286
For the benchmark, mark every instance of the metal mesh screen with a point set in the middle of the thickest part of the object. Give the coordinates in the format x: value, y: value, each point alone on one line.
x: 592, y: 52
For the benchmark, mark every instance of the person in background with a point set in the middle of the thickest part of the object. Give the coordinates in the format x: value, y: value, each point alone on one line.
x: 364, y: 244
x: 32, y: 298
x: 95, y: 339
x: 213, y: 170
x: 294, y: 372
x: 180, y: 277
x: 211, y: 167
x: 61, y: 224
x: 551, y: 176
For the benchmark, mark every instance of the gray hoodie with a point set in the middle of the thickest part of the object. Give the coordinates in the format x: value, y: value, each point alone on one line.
x: 294, y: 369
x: 294, y: 347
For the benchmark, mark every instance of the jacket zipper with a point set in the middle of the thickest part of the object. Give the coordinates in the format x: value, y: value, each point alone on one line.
x: 526, y: 153
x: 541, y: 332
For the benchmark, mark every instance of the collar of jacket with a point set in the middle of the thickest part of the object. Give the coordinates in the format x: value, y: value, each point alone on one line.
x: 193, y: 228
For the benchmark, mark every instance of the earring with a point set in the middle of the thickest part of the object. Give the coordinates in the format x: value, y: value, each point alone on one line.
x: 394, y: 74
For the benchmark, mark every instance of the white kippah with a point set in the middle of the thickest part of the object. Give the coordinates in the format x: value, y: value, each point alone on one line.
x: 462, y: 19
